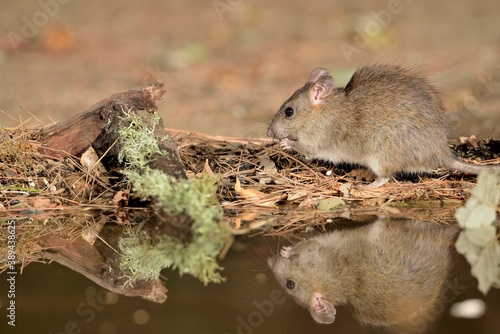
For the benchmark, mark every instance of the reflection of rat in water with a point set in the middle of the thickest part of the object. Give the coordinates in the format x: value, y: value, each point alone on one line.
x: 387, y: 118
x: 390, y: 272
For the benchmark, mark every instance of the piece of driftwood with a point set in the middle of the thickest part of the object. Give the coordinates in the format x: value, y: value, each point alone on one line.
x: 75, y: 135
x: 98, y: 127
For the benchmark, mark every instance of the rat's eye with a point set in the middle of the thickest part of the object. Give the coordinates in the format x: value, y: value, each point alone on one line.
x: 289, y: 112
x: 290, y: 284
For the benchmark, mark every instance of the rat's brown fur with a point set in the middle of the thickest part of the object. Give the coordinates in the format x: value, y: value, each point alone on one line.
x: 390, y: 272
x: 387, y: 118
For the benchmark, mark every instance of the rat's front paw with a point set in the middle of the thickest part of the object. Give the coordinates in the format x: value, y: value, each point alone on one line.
x: 286, y: 144
x: 286, y: 252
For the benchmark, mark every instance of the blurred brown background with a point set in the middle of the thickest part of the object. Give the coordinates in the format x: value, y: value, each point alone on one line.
x: 229, y: 64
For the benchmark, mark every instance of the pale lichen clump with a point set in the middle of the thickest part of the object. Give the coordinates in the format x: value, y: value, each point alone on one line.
x: 144, y: 256
x: 138, y: 142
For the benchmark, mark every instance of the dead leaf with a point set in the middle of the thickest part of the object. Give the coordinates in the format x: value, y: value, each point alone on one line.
x: 297, y: 194
x: 90, y: 161
x: 268, y: 165
x: 345, y: 189
x: 386, y: 207
x: 480, y: 209
x: 122, y: 217
x: 470, y: 141
x: 248, y: 193
x: 330, y: 204
x: 190, y: 175
x: 361, y: 174
x: 481, y: 249
x: 91, y: 232
x: 249, y: 216
x: 121, y: 197
x: 307, y: 202
x: 206, y: 169
x: 259, y: 198
x: 42, y: 203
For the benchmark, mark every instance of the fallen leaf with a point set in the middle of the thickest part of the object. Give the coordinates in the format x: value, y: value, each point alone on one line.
x: 42, y: 203
x: 361, y: 174
x: 190, y: 175
x: 480, y: 208
x: 268, y: 165
x: 259, y: 198
x: 265, y: 180
x: 330, y: 204
x: 90, y: 161
x: 470, y: 141
x: 121, y: 197
x: 248, y: 193
x: 297, y: 194
x: 345, y: 189
x: 206, y: 169
x: 249, y: 216
x: 481, y: 249
x: 122, y: 217
x: 91, y: 232
x: 386, y: 207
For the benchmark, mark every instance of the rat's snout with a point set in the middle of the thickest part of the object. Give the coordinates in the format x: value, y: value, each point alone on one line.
x: 269, y: 132
x: 275, y: 130
x: 276, y: 264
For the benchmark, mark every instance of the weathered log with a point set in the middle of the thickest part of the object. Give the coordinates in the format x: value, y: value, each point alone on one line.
x: 75, y: 135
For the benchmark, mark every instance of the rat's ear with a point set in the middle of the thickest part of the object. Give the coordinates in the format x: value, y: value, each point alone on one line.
x: 316, y: 73
x: 321, y: 88
x: 322, y: 310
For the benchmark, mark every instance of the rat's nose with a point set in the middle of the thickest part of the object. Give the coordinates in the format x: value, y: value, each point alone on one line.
x: 270, y: 132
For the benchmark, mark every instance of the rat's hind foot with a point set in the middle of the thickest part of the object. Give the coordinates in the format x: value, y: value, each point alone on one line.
x: 379, y: 181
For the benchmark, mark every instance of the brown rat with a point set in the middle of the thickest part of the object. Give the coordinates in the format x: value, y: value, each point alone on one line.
x: 386, y: 118
x: 391, y: 273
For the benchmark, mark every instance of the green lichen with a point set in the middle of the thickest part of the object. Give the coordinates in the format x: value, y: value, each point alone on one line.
x: 143, y: 256
x: 138, y: 143
x: 195, y: 197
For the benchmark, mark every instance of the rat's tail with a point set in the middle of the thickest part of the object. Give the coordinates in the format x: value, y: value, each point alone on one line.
x: 471, y: 168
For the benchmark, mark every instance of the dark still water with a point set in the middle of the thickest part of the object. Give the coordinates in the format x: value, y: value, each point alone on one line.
x: 394, y: 276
